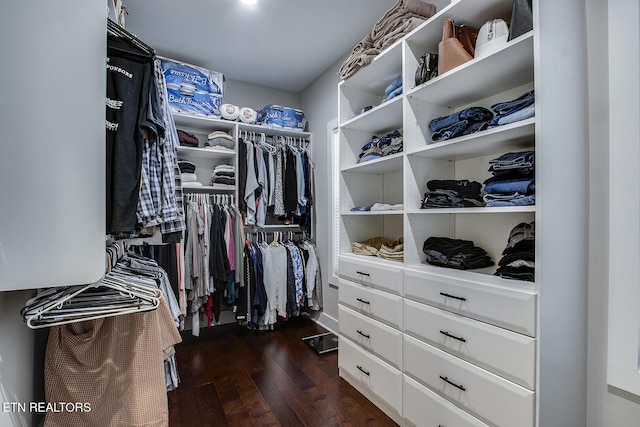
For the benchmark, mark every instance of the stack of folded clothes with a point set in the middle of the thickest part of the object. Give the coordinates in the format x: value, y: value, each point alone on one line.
x: 394, y: 89
x: 188, y: 174
x: 219, y: 140
x: 512, y: 183
x: 463, y: 122
x: 381, y: 247
x: 455, y: 253
x: 514, y: 110
x: 224, y: 174
x: 402, y: 18
x: 449, y: 193
x: 186, y: 139
x: 381, y: 146
x: 518, y: 260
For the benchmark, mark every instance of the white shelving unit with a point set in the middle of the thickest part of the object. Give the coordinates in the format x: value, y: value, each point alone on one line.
x: 470, y: 340
x: 206, y: 158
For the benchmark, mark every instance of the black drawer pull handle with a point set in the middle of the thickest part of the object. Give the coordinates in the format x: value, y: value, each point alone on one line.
x: 363, y: 274
x: 445, y: 379
x: 362, y: 370
x: 445, y: 333
x: 444, y: 294
x: 363, y: 334
x: 362, y: 301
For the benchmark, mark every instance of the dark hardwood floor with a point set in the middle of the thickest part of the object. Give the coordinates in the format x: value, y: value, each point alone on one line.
x: 231, y: 376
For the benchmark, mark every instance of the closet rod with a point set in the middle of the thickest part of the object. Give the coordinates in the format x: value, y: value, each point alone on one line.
x: 119, y: 31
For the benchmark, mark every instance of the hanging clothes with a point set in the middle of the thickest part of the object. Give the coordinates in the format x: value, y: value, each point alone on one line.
x: 282, y: 280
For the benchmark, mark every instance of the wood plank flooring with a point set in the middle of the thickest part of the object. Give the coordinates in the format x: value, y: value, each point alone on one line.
x: 231, y: 376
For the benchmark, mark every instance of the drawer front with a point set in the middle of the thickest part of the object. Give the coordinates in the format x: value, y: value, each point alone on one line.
x: 490, y: 398
x: 380, y: 305
x: 498, y: 350
x: 377, y: 273
x: 422, y: 407
x: 498, y: 305
x: 371, y: 373
x: 378, y: 338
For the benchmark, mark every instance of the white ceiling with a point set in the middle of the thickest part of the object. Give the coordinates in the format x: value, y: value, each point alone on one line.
x: 283, y: 44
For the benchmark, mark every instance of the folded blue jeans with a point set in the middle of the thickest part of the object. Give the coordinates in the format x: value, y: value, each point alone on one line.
x: 522, y: 186
x: 513, y: 160
x: 517, y: 201
x: 397, y: 91
x: 513, y: 105
x: 463, y: 127
x: 396, y: 83
x: 505, y: 119
x: 471, y: 114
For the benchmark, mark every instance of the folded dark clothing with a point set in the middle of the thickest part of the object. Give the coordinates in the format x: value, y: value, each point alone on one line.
x: 186, y: 166
x: 224, y: 180
x: 461, y: 261
x: 460, y: 128
x: 523, y: 245
x: 224, y: 173
x: 504, y: 175
x: 522, y: 236
x: 187, y: 139
x: 516, y: 273
x: 514, y: 160
x: 466, y: 189
x: 455, y: 253
x: 470, y: 115
x: 519, y: 255
x: 447, y: 199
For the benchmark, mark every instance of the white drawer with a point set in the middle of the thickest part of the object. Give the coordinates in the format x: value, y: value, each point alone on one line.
x: 475, y: 296
x: 376, y: 272
x: 490, y: 398
x: 371, y: 373
x: 498, y: 350
x: 424, y: 408
x: 380, y: 339
x: 380, y: 305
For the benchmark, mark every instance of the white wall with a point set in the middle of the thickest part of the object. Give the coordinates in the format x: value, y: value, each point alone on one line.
x: 320, y: 104
x: 245, y: 94
x: 606, y: 406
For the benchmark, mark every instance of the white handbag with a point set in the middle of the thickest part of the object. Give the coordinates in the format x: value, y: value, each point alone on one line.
x: 493, y: 36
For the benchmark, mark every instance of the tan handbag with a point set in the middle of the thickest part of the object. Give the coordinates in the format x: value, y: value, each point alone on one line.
x: 456, y: 47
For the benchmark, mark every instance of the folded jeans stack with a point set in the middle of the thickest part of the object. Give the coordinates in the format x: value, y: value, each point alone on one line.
x: 514, y: 110
x: 463, y: 122
x: 455, y: 253
x: 512, y: 183
x: 402, y: 18
x: 518, y: 260
x: 394, y: 89
x: 381, y: 146
x: 224, y: 174
x: 450, y: 193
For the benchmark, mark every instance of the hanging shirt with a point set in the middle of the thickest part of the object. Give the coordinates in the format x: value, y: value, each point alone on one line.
x: 251, y: 185
x: 278, y: 209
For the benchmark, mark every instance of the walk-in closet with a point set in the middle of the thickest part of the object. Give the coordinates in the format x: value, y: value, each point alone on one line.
x: 331, y: 213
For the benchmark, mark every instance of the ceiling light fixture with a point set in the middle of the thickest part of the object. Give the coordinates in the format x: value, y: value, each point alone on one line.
x: 249, y: 2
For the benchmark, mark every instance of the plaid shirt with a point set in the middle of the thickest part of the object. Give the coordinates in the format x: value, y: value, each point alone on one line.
x: 171, y: 209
